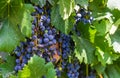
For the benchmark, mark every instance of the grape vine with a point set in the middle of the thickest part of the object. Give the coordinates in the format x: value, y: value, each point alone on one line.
x: 59, y: 39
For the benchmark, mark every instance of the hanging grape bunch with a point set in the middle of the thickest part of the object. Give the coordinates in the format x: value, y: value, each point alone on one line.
x: 49, y: 43
x: 83, y: 15
x: 46, y: 42
x: 42, y: 43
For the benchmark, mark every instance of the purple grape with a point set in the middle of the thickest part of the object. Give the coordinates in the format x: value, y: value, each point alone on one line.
x: 40, y: 41
x: 34, y: 37
x: 50, y: 32
x: 39, y: 10
x: 51, y: 37
x: 46, y: 40
x: 31, y: 44
x: 18, y: 54
x: 45, y: 35
x: 17, y: 61
x: 43, y: 18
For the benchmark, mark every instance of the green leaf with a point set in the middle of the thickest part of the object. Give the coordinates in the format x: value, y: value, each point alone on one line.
x: 111, y: 4
x: 116, y: 41
x: 104, y: 52
x: 83, y: 3
x: 99, y: 9
x: 99, y: 68
x: 52, y: 2
x: 10, y: 8
x: 106, y: 57
x: 10, y: 36
x: 64, y: 26
x: 14, y: 13
x: 102, y: 27
x: 66, y: 8
x: 7, y: 66
x: 116, y: 14
x: 84, y: 50
x: 113, y: 71
x: 26, y: 20
x: 41, y: 3
x: 114, y: 27
x: 50, y: 72
x: 36, y: 68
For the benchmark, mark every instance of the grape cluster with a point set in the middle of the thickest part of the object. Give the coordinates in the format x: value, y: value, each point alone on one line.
x: 83, y: 15
x: 23, y: 54
x: 68, y: 63
x: 50, y: 44
x: 72, y: 71
x: 42, y: 43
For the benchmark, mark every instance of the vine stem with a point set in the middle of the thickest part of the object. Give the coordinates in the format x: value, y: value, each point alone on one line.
x: 100, y: 76
x: 87, y: 70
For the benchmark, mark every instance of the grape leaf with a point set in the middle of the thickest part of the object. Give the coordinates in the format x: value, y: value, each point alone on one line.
x: 66, y: 8
x: 63, y: 25
x: 102, y: 27
x: 104, y: 52
x: 116, y: 41
x: 52, y: 2
x: 113, y: 71
x: 84, y: 50
x: 15, y: 13
x: 99, y: 9
x: 41, y: 3
x: 87, y: 31
x: 10, y: 36
x: 114, y: 27
x: 19, y: 13
x: 36, y: 68
x: 7, y: 66
x: 83, y: 3
x: 26, y: 20
x: 10, y: 8
x: 50, y: 72
x: 106, y: 57
x: 99, y: 68
x: 115, y: 14
x: 111, y: 4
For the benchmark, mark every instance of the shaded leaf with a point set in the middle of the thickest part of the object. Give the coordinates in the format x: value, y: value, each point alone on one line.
x: 7, y: 66
x: 9, y: 8
x: 113, y: 71
x: 52, y: 2
x: 15, y: 13
x: 10, y: 36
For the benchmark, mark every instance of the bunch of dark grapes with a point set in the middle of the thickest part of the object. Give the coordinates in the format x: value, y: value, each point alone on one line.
x: 42, y: 43
x: 72, y: 70
x: 23, y: 54
x: 50, y: 44
x: 69, y: 63
x: 83, y: 15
